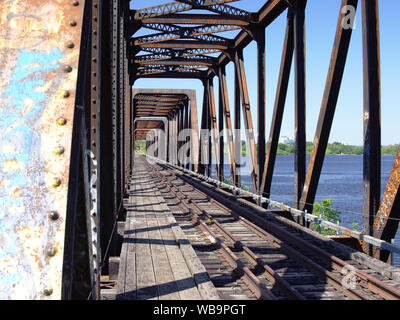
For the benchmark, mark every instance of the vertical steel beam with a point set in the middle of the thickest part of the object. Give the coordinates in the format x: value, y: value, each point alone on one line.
x: 248, y: 122
x: 186, y: 126
x: 220, y: 176
x: 94, y: 145
x: 203, y: 126
x: 260, y: 39
x: 280, y: 99
x: 237, y: 130
x: 108, y: 234
x: 300, y: 101
x: 115, y: 103
x: 372, y: 114
x: 194, y: 134
x: 329, y: 102
x: 228, y: 122
x: 213, y: 127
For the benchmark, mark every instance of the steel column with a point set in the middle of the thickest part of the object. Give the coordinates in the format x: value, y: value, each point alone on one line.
x: 300, y: 101
x: 280, y: 100
x: 260, y: 39
x: 248, y: 122
x: 372, y: 115
x: 329, y: 101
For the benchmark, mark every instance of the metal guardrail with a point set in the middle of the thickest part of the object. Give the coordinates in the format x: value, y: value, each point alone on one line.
x: 378, y: 243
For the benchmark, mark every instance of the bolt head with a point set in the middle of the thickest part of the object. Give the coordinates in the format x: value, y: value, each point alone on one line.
x: 48, y: 291
x: 70, y: 45
x: 56, y: 182
x: 51, y: 252
x: 61, y: 121
x: 59, y: 150
x: 53, y: 216
x: 75, y: 3
x: 65, y: 94
x: 67, y: 69
x: 72, y: 23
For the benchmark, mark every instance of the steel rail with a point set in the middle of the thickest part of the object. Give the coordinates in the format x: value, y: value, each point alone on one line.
x: 252, y: 281
x: 363, y: 279
x: 270, y: 273
x: 322, y: 272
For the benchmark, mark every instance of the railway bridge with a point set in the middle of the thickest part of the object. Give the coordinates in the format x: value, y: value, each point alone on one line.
x: 85, y: 215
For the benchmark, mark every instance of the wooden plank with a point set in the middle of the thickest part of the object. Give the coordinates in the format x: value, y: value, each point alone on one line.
x: 199, y: 273
x: 167, y: 287
x: 183, y: 276
x: 146, y: 283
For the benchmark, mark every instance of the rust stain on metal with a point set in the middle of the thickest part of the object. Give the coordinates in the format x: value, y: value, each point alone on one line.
x: 387, y: 207
x: 34, y: 38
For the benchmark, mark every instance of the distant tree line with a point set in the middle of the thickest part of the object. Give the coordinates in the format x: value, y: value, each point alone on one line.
x: 335, y: 148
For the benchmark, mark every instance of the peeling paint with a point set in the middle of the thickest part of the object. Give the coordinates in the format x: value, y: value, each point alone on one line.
x: 33, y: 37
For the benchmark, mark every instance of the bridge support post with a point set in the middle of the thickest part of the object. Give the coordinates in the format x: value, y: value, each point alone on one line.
x: 260, y: 39
x: 248, y: 122
x: 300, y: 103
x: 226, y: 114
x: 280, y: 99
x: 372, y: 117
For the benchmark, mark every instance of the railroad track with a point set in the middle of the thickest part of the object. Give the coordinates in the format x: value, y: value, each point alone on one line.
x: 271, y: 258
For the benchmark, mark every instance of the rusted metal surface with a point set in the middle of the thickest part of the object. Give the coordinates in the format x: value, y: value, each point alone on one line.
x: 39, y: 51
x: 387, y: 219
x: 280, y: 99
x: 331, y: 94
x: 372, y: 115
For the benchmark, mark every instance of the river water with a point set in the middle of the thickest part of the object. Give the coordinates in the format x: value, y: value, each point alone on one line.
x: 341, y: 180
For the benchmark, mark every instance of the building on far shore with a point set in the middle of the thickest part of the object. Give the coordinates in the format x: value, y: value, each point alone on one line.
x: 286, y: 140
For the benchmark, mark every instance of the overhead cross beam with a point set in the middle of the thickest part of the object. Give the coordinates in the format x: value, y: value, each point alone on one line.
x: 206, y: 19
x: 182, y: 6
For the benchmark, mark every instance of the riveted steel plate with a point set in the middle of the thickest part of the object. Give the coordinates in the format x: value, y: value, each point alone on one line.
x: 39, y: 52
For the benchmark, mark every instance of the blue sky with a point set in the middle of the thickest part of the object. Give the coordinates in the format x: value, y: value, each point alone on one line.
x: 321, y: 21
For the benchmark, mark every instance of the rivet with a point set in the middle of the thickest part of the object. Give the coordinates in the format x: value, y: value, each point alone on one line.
x: 65, y: 94
x: 70, y: 45
x: 51, y: 252
x: 61, y: 121
x: 72, y: 23
x: 75, y: 3
x: 67, y: 69
x: 48, y: 291
x: 53, y: 216
x: 56, y: 182
x: 59, y: 150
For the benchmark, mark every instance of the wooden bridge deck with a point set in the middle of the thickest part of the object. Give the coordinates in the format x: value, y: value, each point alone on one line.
x: 157, y: 260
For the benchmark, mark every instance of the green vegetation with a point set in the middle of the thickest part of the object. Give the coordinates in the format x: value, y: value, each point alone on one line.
x: 324, y: 210
x: 335, y: 148
x: 140, y: 146
x: 228, y: 180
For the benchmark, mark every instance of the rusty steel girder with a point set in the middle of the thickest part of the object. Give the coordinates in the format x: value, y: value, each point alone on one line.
x: 39, y: 44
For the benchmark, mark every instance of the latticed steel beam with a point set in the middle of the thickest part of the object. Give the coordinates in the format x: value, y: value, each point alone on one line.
x: 185, y: 44
x: 192, y: 74
x: 180, y: 53
x: 160, y: 37
x: 219, y: 7
x: 206, y: 19
x: 181, y: 6
x: 161, y: 58
x: 177, y: 62
x: 206, y: 29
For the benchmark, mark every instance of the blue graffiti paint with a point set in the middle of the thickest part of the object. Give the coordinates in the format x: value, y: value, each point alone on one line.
x: 18, y: 125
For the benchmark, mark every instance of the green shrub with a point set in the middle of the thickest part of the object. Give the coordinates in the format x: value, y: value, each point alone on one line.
x: 324, y: 210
